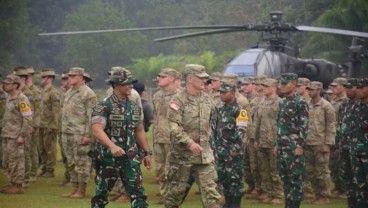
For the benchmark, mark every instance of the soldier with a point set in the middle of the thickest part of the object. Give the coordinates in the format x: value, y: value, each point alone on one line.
x: 343, y: 140
x: 248, y: 87
x: 216, y: 82
x: 36, y: 93
x: 330, y: 94
x: 3, y: 96
x: 161, y: 134
x: 118, y: 127
x: 338, y: 89
x: 266, y: 131
x: 16, y: 130
x: 359, y: 145
x: 76, y: 131
x: 303, y: 83
x: 321, y: 136
x: 229, y: 125
x: 189, y: 120
x: 49, y: 117
x: 292, y: 127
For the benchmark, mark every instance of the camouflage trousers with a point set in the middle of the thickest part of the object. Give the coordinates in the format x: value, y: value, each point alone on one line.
x: 161, y: 152
x: 335, y: 171
x: 27, y: 160
x: 291, y: 169
x: 254, y: 166
x: 318, y: 172
x: 15, y: 163
x: 33, y: 152
x: 178, y: 176
x: 347, y: 172
x: 64, y: 159
x: 108, y: 171
x: 230, y: 175
x: 79, y: 163
x: 270, y: 178
x: 248, y: 178
x: 359, y: 162
x: 47, y: 149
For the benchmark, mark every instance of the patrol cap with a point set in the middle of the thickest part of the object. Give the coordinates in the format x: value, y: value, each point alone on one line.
x: 216, y: 76
x: 258, y: 80
x: 269, y: 82
x: 76, y: 71
x: 48, y: 72
x: 20, y: 71
x: 121, y: 76
x: 248, y: 80
x: 288, y: 77
x: 226, y: 87
x: 197, y: 70
x: 227, y: 78
x: 339, y: 81
x: 303, y: 81
x: 88, y: 77
x: 363, y: 82
x: 351, y: 82
x: 315, y: 85
x: 12, y: 79
x: 170, y: 72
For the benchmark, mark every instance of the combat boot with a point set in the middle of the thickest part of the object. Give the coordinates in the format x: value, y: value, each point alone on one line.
x: 75, y: 189
x: 81, y: 191
x: 14, y: 189
x: 235, y: 202
x: 352, y: 202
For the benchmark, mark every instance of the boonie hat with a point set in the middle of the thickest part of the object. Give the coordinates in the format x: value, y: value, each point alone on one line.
x: 48, y: 72
x: 76, y: 71
x: 12, y: 79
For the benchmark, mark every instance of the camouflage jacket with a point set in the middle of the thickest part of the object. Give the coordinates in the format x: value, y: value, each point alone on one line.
x: 36, y: 92
x: 134, y: 96
x: 120, y: 120
x: 189, y: 121
x: 161, y: 102
x: 50, y: 108
x: 18, y: 117
x: 359, y: 144
x: 321, y: 127
x: 3, y: 96
x: 77, y: 110
x: 337, y: 103
x: 216, y: 100
x: 265, y: 122
x: 229, y: 125
x: 292, y: 122
x: 344, y: 125
x: 253, y: 113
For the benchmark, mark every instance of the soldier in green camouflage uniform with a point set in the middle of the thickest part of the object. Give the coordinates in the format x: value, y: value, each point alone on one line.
x: 359, y: 145
x: 321, y: 136
x: 343, y: 139
x: 265, y: 129
x: 338, y: 89
x: 118, y: 127
x: 16, y: 130
x: 229, y: 124
x: 189, y: 119
x: 161, y: 134
x: 292, y: 127
x: 3, y: 96
x: 36, y: 92
x: 76, y: 131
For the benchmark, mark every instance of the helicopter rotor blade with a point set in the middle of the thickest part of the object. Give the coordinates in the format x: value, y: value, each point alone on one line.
x: 332, y: 31
x: 196, y: 34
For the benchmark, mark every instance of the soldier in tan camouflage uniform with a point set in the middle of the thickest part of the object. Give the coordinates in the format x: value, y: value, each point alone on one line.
x: 16, y: 130
x: 49, y: 118
x: 215, y: 86
x: 3, y: 96
x: 76, y: 131
x: 189, y: 120
x: 338, y: 89
x: 36, y: 92
x: 321, y: 135
x: 161, y: 134
x: 302, y: 89
x: 266, y: 131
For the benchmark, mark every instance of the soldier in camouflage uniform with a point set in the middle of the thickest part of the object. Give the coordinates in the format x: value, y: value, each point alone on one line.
x: 118, y: 127
x: 189, y: 120
x: 302, y: 85
x: 292, y: 127
x: 16, y: 130
x: 161, y: 134
x: 321, y: 136
x: 229, y: 124
x: 216, y: 82
x: 343, y: 139
x: 49, y: 118
x: 76, y: 131
x: 265, y: 129
x: 338, y: 89
x: 36, y: 92
x: 359, y: 145
x: 3, y: 96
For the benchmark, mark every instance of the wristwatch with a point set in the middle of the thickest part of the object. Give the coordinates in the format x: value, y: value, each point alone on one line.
x: 146, y: 153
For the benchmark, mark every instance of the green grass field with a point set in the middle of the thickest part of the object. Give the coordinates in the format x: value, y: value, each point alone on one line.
x: 45, y: 193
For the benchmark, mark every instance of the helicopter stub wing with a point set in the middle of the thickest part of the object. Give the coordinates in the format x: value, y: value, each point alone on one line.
x: 332, y: 31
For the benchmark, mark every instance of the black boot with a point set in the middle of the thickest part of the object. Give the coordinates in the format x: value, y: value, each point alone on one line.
x: 294, y: 204
x: 235, y: 202
x: 228, y: 201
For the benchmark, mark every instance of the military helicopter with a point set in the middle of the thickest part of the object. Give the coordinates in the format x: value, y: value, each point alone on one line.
x: 271, y: 59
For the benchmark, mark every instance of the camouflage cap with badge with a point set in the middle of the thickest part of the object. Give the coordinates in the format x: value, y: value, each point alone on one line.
x: 226, y: 87
x: 315, y: 85
x: 363, y: 82
x: 288, y: 77
x: 339, y: 81
x: 351, y: 82
x: 121, y: 76
x: 11, y: 79
x: 197, y: 70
